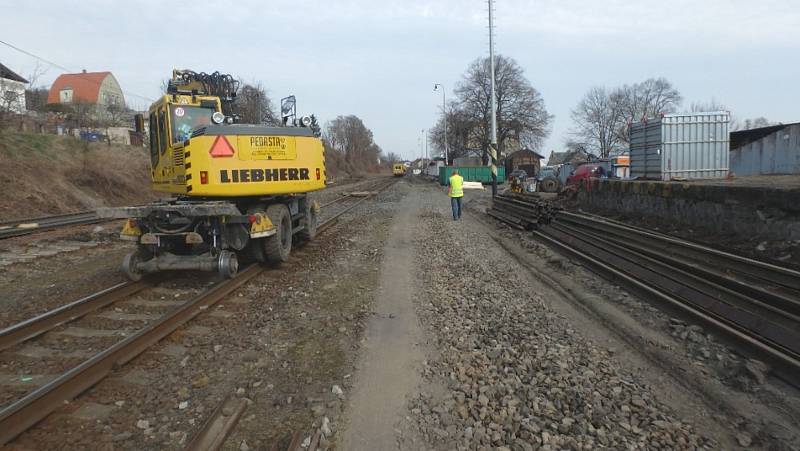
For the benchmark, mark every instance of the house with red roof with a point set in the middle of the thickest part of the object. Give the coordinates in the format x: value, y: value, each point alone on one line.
x: 96, y: 88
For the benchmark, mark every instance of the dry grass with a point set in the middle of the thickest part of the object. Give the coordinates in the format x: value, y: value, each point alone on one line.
x: 47, y: 174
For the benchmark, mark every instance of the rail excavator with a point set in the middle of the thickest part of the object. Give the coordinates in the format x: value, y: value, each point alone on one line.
x: 237, y: 190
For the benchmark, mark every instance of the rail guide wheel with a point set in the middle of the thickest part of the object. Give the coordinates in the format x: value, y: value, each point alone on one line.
x: 227, y: 264
x: 278, y: 247
x: 129, y: 266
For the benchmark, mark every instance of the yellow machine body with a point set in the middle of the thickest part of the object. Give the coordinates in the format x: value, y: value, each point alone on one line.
x: 398, y: 169
x: 192, y: 156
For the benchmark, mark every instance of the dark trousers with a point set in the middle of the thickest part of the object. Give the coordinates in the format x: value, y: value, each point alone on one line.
x: 455, y: 202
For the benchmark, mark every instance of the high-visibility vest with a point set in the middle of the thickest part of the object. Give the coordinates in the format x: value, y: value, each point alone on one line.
x: 456, y: 186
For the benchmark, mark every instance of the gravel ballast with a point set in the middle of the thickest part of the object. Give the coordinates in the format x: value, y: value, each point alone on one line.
x: 512, y: 373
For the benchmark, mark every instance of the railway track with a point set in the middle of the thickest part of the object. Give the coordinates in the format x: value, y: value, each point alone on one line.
x: 19, y: 415
x: 9, y: 229
x: 754, y: 303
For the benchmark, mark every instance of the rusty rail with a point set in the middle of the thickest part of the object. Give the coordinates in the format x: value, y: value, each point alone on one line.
x: 9, y: 229
x: 18, y: 333
x: 219, y: 425
x: 757, y: 308
x: 38, y: 404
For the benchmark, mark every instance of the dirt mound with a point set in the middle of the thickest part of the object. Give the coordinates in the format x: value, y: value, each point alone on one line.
x: 47, y: 174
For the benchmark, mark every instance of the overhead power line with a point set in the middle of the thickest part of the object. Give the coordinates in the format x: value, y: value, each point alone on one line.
x: 50, y: 63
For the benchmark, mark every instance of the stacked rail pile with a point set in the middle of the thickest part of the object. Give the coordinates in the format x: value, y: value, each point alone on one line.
x: 523, y: 211
x: 753, y: 302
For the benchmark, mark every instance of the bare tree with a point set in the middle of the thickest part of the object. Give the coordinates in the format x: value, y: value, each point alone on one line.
x: 521, y: 113
x: 711, y: 105
x: 82, y: 114
x: 602, y: 117
x: 459, y: 131
x: 749, y: 124
x: 36, y: 99
x: 8, y: 100
x: 597, y: 119
x: 649, y: 98
x: 716, y: 105
x: 391, y: 158
x: 350, y: 139
x: 36, y: 95
x: 117, y: 114
x: 253, y: 106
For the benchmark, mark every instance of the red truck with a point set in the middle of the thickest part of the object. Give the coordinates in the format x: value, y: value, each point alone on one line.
x: 586, y: 172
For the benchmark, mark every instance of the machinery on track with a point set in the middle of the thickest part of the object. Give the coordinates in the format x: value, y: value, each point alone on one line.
x: 398, y: 169
x: 238, y: 190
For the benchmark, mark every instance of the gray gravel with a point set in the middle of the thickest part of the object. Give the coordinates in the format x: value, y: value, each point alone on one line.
x: 514, y: 375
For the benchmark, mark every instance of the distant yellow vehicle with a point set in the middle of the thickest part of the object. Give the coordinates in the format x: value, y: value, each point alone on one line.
x: 399, y: 169
x: 239, y: 189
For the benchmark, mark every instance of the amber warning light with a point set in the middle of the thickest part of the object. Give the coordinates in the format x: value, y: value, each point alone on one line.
x: 221, y: 148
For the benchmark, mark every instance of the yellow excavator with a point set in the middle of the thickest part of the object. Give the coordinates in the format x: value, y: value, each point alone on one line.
x: 238, y: 190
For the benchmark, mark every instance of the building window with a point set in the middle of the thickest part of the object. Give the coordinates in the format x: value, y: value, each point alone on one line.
x: 65, y: 95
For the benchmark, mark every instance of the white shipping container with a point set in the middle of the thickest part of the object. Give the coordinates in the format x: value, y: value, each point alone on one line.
x: 433, y: 168
x: 690, y: 146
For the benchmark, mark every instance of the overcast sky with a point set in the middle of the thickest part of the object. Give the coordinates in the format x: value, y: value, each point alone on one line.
x: 379, y: 60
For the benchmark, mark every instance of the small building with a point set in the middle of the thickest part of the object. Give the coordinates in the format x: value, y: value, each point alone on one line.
x: 12, y: 91
x: 574, y: 157
x: 525, y: 159
x: 96, y: 88
x: 766, y: 151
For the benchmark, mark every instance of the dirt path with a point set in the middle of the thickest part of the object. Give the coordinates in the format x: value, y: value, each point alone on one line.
x: 388, y: 369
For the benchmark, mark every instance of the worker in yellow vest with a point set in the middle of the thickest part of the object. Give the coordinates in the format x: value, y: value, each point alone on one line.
x: 456, y: 193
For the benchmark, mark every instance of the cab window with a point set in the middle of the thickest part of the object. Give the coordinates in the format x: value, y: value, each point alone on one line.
x: 186, y: 119
x: 162, y: 131
x: 153, y: 127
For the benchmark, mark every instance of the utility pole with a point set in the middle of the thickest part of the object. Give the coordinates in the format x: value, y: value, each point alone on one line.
x: 444, y: 113
x: 425, y: 139
x: 493, y: 145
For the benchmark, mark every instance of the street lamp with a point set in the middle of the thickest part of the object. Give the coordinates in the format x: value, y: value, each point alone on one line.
x: 444, y: 113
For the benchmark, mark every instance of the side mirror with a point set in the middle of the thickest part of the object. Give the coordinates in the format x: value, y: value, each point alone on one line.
x: 138, y: 123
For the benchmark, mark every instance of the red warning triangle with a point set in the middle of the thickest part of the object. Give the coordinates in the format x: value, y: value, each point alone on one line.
x: 221, y: 148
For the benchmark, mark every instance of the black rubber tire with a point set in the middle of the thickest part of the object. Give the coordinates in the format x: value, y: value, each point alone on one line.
x: 278, y: 247
x: 128, y: 264
x: 549, y: 185
x: 310, y: 221
x: 227, y: 265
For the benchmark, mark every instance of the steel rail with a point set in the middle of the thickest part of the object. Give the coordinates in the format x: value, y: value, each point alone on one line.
x: 684, y: 291
x: 775, y: 273
x: 11, y: 229
x: 33, y: 327
x: 740, y: 310
x: 38, y: 404
x: 219, y: 425
x: 330, y: 221
x: 768, y: 294
x: 36, y: 219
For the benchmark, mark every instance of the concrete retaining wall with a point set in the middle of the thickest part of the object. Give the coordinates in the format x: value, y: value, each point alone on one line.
x: 749, y: 212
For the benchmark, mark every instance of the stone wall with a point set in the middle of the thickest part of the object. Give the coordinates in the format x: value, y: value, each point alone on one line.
x: 751, y: 212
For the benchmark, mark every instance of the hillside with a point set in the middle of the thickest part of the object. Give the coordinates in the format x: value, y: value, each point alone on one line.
x: 47, y: 174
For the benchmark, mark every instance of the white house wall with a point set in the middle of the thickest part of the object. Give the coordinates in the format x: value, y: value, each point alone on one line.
x: 18, y: 91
